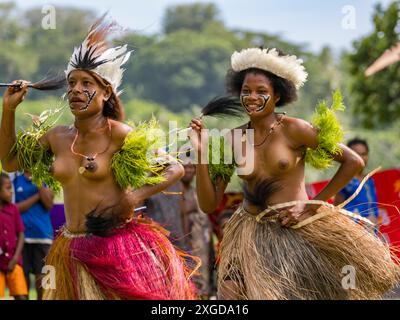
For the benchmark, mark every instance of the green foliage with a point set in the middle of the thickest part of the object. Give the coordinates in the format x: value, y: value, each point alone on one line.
x: 330, y: 133
x: 374, y: 100
x: 133, y: 163
x: 32, y: 156
x: 194, y: 17
x: 217, y: 165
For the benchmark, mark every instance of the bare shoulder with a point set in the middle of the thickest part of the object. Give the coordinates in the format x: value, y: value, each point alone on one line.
x: 294, y: 125
x: 119, y: 131
x: 299, y: 131
x: 55, y: 135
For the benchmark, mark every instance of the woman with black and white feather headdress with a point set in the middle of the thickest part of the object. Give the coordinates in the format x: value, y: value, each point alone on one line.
x: 105, y: 168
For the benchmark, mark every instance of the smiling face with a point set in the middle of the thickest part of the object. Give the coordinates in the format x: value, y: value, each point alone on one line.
x: 86, y: 95
x: 257, y: 95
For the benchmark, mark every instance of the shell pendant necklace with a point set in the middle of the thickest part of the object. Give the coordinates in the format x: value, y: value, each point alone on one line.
x: 91, y: 165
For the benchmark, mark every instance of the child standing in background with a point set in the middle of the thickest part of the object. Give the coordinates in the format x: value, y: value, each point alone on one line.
x: 11, y: 244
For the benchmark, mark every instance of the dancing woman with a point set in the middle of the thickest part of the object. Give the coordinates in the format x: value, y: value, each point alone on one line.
x: 104, y: 251
x: 278, y: 244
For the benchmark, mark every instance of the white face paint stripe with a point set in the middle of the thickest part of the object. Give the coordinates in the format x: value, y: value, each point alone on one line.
x: 90, y: 99
x: 265, y: 98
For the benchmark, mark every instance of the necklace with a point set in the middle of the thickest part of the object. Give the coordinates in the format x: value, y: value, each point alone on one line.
x: 91, y: 166
x: 276, y: 123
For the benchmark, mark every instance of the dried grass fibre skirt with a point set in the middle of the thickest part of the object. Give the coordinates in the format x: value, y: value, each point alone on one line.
x: 136, y: 262
x: 268, y: 261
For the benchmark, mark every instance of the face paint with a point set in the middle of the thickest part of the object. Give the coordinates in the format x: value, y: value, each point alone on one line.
x: 265, y: 99
x: 90, y: 98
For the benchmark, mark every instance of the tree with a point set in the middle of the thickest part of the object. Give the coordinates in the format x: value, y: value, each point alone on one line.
x: 55, y: 46
x: 194, y: 17
x: 375, y: 100
x: 14, y: 61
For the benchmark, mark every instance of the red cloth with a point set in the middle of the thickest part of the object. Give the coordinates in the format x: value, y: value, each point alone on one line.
x: 136, y: 262
x: 10, y: 225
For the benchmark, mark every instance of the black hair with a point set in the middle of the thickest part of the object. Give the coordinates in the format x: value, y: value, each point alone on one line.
x: 355, y: 141
x: 3, y: 176
x: 282, y: 87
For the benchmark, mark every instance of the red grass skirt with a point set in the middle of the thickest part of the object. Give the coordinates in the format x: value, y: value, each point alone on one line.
x: 137, y: 261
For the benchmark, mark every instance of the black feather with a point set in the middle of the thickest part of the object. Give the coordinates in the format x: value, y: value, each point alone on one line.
x: 261, y: 192
x: 46, y: 84
x: 50, y: 83
x: 100, y: 223
x: 88, y: 60
x: 223, y: 106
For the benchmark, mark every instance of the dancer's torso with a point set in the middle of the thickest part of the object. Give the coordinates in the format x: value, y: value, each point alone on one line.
x: 85, y: 191
x: 277, y: 159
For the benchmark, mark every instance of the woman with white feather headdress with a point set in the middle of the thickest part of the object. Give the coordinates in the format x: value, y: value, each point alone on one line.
x: 105, y: 168
x: 279, y: 244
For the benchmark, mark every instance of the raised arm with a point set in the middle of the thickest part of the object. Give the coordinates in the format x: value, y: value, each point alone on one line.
x: 13, y: 96
x: 209, y: 194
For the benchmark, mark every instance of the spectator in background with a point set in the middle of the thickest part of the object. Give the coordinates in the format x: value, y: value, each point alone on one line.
x: 34, y: 204
x: 11, y: 243
x: 365, y: 203
x: 165, y: 208
x: 198, y: 228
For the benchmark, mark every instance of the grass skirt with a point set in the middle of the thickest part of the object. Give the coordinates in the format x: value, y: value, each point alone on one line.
x: 268, y: 261
x: 136, y: 262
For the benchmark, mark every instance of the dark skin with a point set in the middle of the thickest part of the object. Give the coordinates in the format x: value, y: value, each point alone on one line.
x: 280, y: 157
x: 82, y: 192
x: 5, y: 198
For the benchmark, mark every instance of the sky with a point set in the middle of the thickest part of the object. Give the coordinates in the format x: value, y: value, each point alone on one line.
x: 313, y: 22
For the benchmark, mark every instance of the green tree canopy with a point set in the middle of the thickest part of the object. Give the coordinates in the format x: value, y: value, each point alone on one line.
x: 194, y: 17
x: 375, y: 100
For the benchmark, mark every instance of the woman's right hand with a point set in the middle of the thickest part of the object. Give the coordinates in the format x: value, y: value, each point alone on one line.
x: 198, y: 135
x: 14, y: 95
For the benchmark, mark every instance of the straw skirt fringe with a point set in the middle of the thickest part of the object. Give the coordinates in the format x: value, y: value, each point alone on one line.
x: 268, y: 261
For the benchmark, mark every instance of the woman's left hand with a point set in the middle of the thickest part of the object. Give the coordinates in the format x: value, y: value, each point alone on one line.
x: 292, y: 216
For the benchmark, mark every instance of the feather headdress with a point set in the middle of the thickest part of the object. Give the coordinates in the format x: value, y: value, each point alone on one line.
x: 287, y: 67
x: 96, y: 55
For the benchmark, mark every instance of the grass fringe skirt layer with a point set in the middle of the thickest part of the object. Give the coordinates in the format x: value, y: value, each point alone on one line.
x: 268, y: 261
